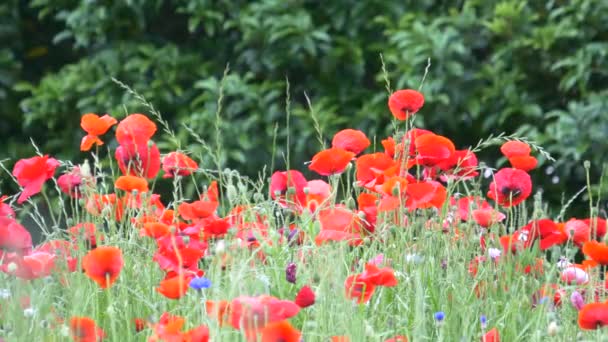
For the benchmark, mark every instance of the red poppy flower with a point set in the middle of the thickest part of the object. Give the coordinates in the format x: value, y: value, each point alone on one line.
x: 331, y: 161
x: 593, y: 316
x: 168, y: 328
x: 404, y: 103
x: 305, y: 297
x: 380, y: 276
x: 318, y: 193
x: 514, y: 148
x: 135, y: 129
x: 197, y: 210
x: 280, y: 331
x: 487, y: 217
x: 524, y: 163
x: 359, y: 287
x: 598, y: 252
x: 422, y: 195
x: 433, y: 149
x: 351, y: 140
x: 84, y: 329
x: 31, y: 173
x: 399, y: 338
x: 131, y: 183
x: 138, y: 160
x: 252, y: 313
x: 597, y: 226
x: 282, y: 181
x: 85, y: 231
x: 94, y: 126
x: 155, y: 229
x: 71, y: 183
x: 140, y: 324
x: 176, y: 163
x: 174, y: 287
x: 103, y: 265
x: 578, y: 231
x: 510, y: 187
x: 372, y: 169
x: 491, y: 336
x: 5, y: 209
x: 13, y: 236
x: 461, y: 165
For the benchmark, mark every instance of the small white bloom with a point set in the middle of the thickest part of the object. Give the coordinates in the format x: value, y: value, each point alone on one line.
x: 5, y: 293
x: 494, y: 253
x: 552, y: 329
x: 30, y: 312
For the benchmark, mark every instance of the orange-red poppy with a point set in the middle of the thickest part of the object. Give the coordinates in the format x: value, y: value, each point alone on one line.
x: 138, y: 159
x: 331, y: 161
x: 514, y: 148
x: 399, y: 338
x: 491, y: 336
x: 525, y: 163
x: 598, y: 252
x: 433, y: 149
x: 103, y: 265
x: 593, y: 316
x: 280, y: 331
x: 404, y: 103
x: 135, y: 129
x: 94, y: 126
x: 372, y: 169
x: 84, y: 329
x: 131, y: 183
x: 174, y: 287
x: 155, y: 229
x: 31, y: 174
x: 177, y: 163
x: 351, y: 140
x: 422, y: 195
x: 85, y: 231
x: 359, y: 287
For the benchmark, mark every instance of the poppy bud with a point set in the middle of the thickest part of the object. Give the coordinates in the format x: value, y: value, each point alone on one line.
x: 577, y: 300
x: 290, y: 272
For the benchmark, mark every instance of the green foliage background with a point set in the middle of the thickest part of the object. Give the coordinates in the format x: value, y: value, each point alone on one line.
x: 536, y: 68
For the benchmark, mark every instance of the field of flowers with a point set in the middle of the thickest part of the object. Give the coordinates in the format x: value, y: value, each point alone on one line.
x: 409, y: 238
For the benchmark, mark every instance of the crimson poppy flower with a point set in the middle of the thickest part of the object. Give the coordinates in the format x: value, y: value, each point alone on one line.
x: 380, y: 276
x: 13, y: 236
x: 524, y: 163
x: 176, y: 163
x: 131, y: 183
x: 63, y: 250
x: 71, y: 183
x: 491, y: 336
x: 282, y: 181
x: 138, y: 160
x: 514, y: 148
x: 598, y: 252
x: 305, y: 297
x: 280, y: 331
x: 184, y: 257
x: 331, y: 161
x: 198, y: 334
x: 135, y: 129
x: 31, y: 173
x: 487, y: 217
x: 351, y: 140
x: 174, y: 287
x: 433, y: 149
x: 510, y: 187
x: 84, y: 329
x: 103, y: 265
x: 404, y: 103
x: 593, y: 316
x: 94, y: 126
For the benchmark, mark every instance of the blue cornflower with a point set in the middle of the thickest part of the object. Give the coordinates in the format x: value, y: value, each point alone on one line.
x: 199, y: 283
x: 484, y: 321
x: 439, y: 316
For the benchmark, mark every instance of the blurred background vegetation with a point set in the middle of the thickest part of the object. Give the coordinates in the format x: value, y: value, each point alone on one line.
x: 536, y: 68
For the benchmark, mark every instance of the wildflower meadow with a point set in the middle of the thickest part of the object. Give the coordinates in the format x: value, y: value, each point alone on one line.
x: 405, y: 237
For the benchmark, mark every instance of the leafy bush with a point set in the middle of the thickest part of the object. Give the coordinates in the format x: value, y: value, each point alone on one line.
x: 528, y: 67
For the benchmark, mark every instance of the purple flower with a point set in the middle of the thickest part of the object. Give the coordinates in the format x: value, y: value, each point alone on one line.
x: 577, y: 300
x: 290, y: 272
